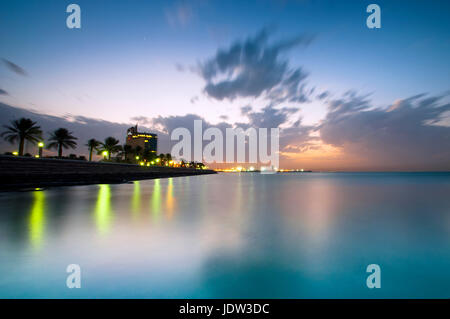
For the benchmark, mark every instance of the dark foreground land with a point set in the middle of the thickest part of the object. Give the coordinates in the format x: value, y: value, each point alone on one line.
x: 27, y: 172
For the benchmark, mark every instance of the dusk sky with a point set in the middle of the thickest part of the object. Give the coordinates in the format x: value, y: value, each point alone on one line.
x: 345, y: 96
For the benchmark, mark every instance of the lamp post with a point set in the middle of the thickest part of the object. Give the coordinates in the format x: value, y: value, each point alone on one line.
x: 41, y: 146
x: 105, y: 154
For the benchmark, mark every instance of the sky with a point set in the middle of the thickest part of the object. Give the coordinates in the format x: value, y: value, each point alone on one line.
x: 345, y: 97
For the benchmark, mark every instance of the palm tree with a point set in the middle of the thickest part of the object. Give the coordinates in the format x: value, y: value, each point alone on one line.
x: 111, y: 145
x: 127, y: 150
x: 93, y: 144
x: 22, y: 129
x: 62, y: 138
x: 162, y: 158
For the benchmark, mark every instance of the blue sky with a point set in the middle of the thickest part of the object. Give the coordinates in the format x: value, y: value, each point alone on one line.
x: 142, y: 59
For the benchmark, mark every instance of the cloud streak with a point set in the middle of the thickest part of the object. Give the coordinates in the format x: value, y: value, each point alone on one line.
x: 253, y: 68
x: 14, y: 68
x: 404, y: 135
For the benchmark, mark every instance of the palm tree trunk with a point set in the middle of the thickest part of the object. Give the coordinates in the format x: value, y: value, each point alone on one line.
x: 109, y: 156
x: 59, y: 150
x: 90, y: 154
x: 21, y: 144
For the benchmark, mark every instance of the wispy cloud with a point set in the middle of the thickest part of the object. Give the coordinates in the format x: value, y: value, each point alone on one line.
x: 179, y: 14
x: 254, y: 67
x: 14, y: 67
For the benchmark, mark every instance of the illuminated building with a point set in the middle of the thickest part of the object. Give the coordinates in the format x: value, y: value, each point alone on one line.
x: 147, y: 141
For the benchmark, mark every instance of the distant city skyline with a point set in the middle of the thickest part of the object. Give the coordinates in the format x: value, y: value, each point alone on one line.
x: 345, y: 97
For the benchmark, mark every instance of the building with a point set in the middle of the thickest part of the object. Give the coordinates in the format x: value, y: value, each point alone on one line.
x: 147, y: 141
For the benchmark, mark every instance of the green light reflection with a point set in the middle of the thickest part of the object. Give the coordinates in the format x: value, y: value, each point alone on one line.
x: 37, y: 219
x: 103, y: 209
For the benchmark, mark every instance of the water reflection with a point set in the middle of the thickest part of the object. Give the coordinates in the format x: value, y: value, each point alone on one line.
x: 241, y: 236
x: 37, y: 219
x: 103, y: 209
x: 136, y: 199
x: 156, y: 199
x: 169, y: 198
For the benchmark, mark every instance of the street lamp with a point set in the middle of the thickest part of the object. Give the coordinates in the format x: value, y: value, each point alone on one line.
x: 105, y: 154
x: 41, y: 146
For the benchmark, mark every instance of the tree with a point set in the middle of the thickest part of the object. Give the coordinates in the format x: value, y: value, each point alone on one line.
x: 62, y: 138
x: 126, y: 150
x: 148, y: 155
x: 162, y: 159
x: 111, y: 146
x: 22, y: 130
x: 93, y: 144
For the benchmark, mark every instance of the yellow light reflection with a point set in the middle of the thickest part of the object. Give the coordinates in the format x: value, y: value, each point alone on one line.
x: 156, y: 199
x: 37, y: 219
x: 136, y: 199
x: 169, y: 198
x: 103, y: 209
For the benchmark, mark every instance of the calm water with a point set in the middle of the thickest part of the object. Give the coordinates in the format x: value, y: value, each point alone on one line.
x: 229, y: 235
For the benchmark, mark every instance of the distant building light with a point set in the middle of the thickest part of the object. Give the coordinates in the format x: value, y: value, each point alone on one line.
x: 37, y: 156
x: 137, y: 157
x: 41, y: 144
x: 15, y: 153
x: 141, y: 163
x: 252, y: 168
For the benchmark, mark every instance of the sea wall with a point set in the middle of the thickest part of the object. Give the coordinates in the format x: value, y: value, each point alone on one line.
x: 27, y: 172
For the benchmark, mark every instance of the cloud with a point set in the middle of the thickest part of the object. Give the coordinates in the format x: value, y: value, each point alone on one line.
x: 180, y: 67
x: 179, y: 14
x: 323, y: 95
x: 404, y: 135
x: 141, y: 120
x: 3, y: 92
x: 246, y: 109
x: 253, y: 68
x: 194, y: 99
x: 15, y: 68
x: 269, y: 117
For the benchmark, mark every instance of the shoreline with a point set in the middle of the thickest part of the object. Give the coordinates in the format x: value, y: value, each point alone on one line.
x: 25, y: 173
